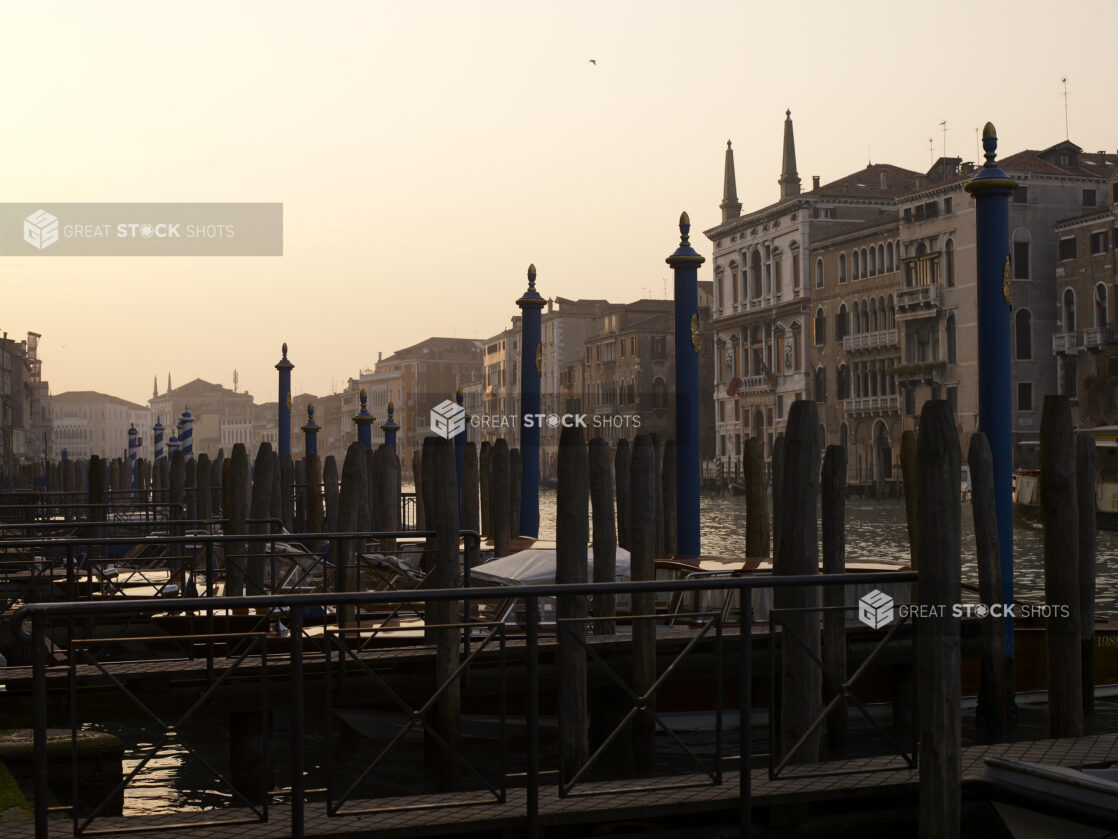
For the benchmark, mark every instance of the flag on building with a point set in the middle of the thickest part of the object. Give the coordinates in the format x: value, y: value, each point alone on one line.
x: 768, y: 373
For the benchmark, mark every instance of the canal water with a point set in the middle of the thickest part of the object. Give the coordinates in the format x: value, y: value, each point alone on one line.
x: 877, y: 530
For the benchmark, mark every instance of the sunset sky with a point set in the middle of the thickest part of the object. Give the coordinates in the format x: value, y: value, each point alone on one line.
x: 426, y: 153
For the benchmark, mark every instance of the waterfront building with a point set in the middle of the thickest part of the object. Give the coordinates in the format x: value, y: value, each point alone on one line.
x: 87, y: 423
x: 763, y: 285
x: 220, y: 414
x: 26, y: 429
x: 1086, y: 340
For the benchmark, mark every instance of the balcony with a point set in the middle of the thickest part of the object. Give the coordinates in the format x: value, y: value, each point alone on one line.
x: 870, y: 340
x: 872, y: 405
x: 754, y: 384
x: 1099, y: 337
x: 924, y: 372
x: 1065, y: 342
x: 918, y: 301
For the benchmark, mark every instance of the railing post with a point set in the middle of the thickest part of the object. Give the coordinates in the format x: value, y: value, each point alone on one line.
x: 533, y: 745
x: 39, y: 712
x: 297, y: 814
x: 745, y: 709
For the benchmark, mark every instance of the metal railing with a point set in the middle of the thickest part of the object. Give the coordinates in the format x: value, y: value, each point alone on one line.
x: 295, y: 607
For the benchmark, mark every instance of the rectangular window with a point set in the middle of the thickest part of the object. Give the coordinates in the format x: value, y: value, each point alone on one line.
x: 780, y: 406
x: 953, y: 398
x: 1089, y: 198
x: 1098, y: 242
x: 659, y: 347
x: 1024, y: 396
x: 1071, y: 386
x: 908, y: 214
x: 910, y: 402
x: 1021, y: 195
x: 1020, y: 260
x: 947, y: 206
x: 1067, y: 248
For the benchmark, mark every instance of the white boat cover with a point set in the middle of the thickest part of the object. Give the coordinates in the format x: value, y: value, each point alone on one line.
x: 536, y: 566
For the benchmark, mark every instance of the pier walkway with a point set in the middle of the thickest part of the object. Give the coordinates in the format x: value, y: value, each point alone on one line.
x: 863, y: 778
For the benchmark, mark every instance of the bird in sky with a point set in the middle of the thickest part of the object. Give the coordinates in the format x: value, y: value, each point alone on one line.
x: 594, y: 61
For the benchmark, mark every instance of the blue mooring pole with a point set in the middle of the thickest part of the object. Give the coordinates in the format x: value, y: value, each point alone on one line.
x: 991, y: 189
x: 364, y: 421
x: 158, y: 438
x: 310, y: 432
x: 531, y: 304
x: 284, y: 366
x: 391, y: 427
x: 685, y: 264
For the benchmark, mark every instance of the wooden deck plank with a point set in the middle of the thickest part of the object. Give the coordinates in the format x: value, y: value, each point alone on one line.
x: 587, y: 807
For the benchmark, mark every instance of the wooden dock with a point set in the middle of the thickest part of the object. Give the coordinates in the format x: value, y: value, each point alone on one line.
x: 594, y: 805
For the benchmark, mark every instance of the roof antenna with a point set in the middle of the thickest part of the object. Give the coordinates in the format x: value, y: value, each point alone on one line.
x: 931, y: 154
x: 943, y: 168
x: 1067, y: 134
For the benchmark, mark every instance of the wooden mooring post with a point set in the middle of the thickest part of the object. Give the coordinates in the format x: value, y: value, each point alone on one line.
x: 315, y: 513
x: 235, y: 506
x: 644, y: 483
x: 908, y: 482
x: 500, y: 519
x: 440, y: 473
x: 1086, y: 471
x: 833, y: 502
x: 471, y: 503
x: 995, y: 690
x: 331, y: 493
x: 938, y: 647
x: 777, y: 491
x: 668, y: 485
x: 263, y: 486
x: 622, y: 487
x: 572, y: 532
x: 202, y: 486
x: 605, y: 535
x: 798, y: 554
x: 1060, y: 513
x: 354, y: 486
x: 483, y: 486
x: 516, y: 482
x: 757, y: 538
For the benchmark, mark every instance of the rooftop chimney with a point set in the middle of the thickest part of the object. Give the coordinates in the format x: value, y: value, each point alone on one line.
x: 815, y: 182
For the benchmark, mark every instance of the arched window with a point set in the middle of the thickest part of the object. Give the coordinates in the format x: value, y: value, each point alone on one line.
x: 1100, y: 305
x: 842, y: 381
x: 1023, y: 323
x: 820, y: 326
x: 856, y: 272
x: 842, y: 268
x: 873, y: 315
x: 865, y: 317
x: 949, y: 263
x: 952, y: 357
x: 881, y: 259
x: 1069, y: 311
x: 659, y: 394
x: 873, y: 262
x: 819, y: 273
x: 865, y: 262
x: 889, y: 257
x: 841, y: 321
x: 820, y: 384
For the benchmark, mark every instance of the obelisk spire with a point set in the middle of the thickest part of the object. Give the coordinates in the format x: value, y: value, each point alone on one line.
x: 731, y: 207
x: 789, y: 178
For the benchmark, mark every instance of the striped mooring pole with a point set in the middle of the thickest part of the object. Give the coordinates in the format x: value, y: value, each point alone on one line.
x: 364, y: 421
x: 685, y: 264
x: 172, y: 445
x: 157, y: 436
x: 991, y: 189
x: 284, y: 366
x: 531, y: 304
x: 390, y: 428
x: 186, y: 434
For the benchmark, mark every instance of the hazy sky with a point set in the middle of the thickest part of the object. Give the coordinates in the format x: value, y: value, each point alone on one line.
x: 426, y: 153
